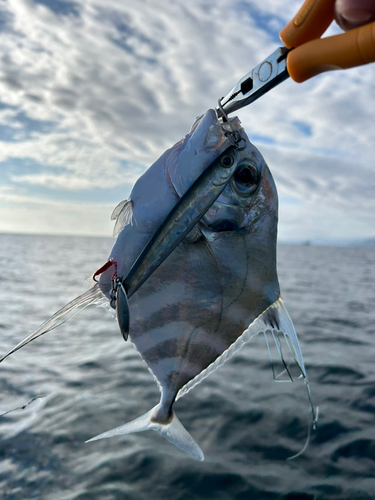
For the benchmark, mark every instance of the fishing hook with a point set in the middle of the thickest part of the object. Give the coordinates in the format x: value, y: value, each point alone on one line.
x: 233, y: 135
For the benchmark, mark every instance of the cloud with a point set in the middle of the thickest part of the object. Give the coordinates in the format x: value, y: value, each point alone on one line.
x: 73, y: 182
x: 95, y: 91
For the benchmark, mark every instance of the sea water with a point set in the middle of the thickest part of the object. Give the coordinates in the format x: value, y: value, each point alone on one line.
x: 87, y: 380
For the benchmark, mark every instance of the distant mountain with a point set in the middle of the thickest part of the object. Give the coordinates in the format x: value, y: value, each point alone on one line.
x: 367, y: 242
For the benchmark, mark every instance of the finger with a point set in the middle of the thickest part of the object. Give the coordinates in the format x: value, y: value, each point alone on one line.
x: 353, y: 13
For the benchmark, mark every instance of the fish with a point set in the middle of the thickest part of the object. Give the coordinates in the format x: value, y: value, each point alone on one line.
x: 217, y: 288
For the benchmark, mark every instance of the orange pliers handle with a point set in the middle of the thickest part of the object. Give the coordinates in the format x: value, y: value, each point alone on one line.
x: 312, y: 55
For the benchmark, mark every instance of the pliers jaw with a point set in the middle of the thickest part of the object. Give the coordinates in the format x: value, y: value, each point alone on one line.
x: 256, y: 83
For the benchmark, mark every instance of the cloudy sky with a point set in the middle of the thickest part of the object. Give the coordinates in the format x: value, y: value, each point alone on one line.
x: 93, y: 91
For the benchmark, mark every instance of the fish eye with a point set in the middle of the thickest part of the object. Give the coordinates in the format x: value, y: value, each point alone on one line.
x: 226, y: 161
x: 246, y: 179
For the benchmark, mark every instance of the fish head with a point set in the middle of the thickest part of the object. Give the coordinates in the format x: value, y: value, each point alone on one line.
x: 241, y: 228
x: 249, y: 202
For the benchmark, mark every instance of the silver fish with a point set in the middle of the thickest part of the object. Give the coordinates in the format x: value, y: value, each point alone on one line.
x: 214, y: 292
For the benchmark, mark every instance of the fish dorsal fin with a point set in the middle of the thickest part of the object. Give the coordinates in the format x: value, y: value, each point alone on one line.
x: 123, y: 214
x: 274, y: 319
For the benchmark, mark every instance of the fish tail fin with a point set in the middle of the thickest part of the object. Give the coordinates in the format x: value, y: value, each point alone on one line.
x: 174, y: 432
x: 92, y: 296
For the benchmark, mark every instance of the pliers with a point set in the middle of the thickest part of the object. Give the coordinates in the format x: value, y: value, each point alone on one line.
x: 303, y: 55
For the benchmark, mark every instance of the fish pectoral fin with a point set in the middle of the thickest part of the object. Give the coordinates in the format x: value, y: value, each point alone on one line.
x: 123, y: 214
x: 118, y: 209
x: 174, y: 432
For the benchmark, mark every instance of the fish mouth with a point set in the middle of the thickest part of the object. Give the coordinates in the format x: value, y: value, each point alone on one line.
x: 223, y: 226
x: 223, y: 217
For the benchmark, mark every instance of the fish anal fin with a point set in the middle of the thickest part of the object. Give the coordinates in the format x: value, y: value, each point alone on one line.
x: 275, y: 314
x: 174, y: 432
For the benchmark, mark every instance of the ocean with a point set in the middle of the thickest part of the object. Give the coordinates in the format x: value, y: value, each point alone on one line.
x: 85, y: 380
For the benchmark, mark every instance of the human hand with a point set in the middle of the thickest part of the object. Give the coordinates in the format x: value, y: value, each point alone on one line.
x: 353, y: 13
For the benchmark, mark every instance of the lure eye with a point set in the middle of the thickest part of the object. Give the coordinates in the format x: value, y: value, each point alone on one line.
x: 226, y: 161
x: 246, y: 179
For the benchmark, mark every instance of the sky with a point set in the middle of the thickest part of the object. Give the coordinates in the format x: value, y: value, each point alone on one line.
x: 92, y: 92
